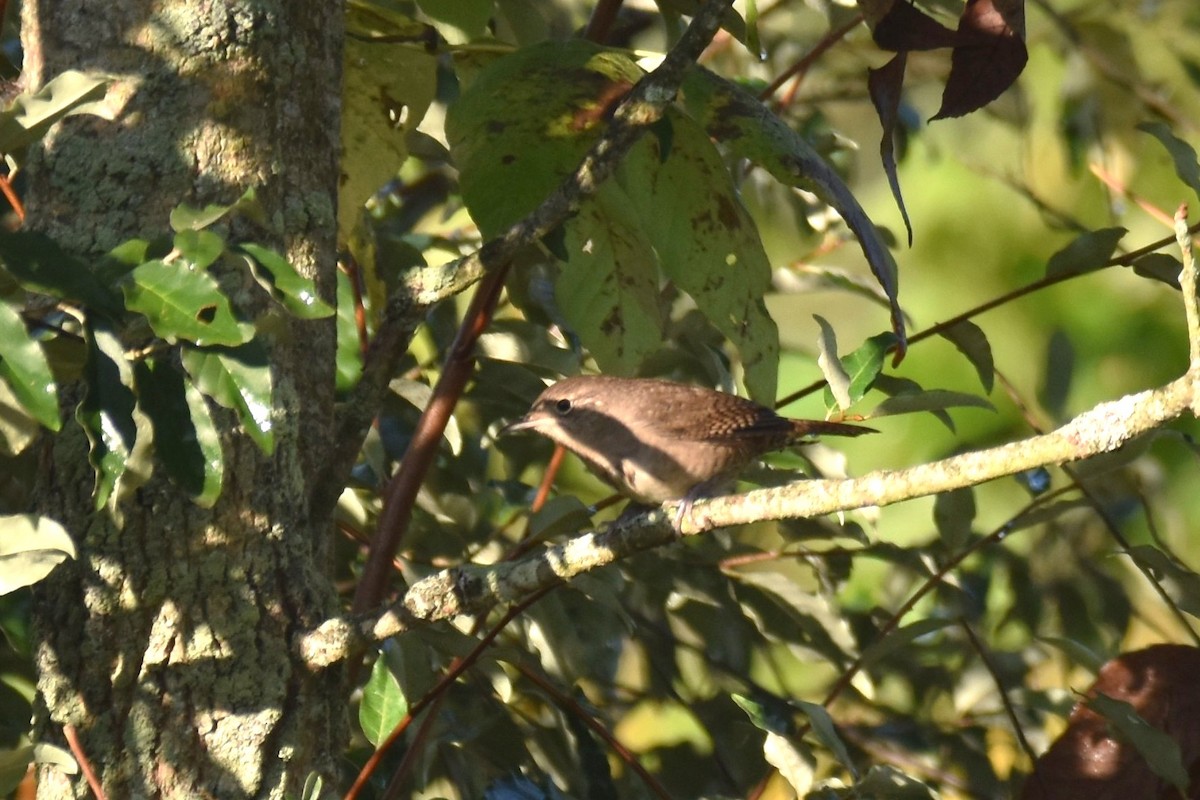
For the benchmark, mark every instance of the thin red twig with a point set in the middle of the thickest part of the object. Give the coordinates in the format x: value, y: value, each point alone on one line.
x: 85, y: 766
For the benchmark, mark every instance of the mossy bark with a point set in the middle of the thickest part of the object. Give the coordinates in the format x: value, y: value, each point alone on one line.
x: 166, y: 644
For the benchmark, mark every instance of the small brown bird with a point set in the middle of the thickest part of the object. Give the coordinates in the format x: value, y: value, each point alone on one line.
x: 656, y: 440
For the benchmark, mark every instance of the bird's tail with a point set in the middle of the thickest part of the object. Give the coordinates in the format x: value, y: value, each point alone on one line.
x: 807, y: 428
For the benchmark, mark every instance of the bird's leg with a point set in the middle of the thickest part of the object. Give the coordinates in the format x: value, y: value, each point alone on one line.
x: 713, y: 487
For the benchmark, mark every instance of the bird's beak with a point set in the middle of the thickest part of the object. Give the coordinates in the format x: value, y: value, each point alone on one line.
x: 526, y: 423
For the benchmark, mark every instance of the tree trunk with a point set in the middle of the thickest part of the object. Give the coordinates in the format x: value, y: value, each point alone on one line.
x: 166, y: 643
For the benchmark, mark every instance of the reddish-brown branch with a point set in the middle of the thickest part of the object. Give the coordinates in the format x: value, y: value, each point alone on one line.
x: 402, y: 489
x: 807, y: 60
x: 602, y: 19
x: 10, y: 194
x: 457, y: 667
x: 85, y: 766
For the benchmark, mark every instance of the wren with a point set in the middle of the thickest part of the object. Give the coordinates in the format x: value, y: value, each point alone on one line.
x: 656, y: 440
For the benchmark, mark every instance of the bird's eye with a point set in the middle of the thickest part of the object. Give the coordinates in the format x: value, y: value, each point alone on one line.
x: 563, y: 406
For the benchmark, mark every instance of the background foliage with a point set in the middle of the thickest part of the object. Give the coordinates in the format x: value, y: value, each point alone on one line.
x: 776, y: 659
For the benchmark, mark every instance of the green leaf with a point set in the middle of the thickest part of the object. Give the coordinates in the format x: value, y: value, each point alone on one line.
x: 186, y: 439
x: 387, y: 86
x: 13, y: 766
x: 764, y: 716
x: 30, y: 546
x: 708, y: 245
x: 1182, y: 153
x: 863, y: 366
x: 18, y: 430
x: 826, y: 732
x: 349, y: 359
x: 1185, y: 582
x: 930, y: 400
x: 953, y: 513
x: 184, y: 303
x: 608, y: 288
x: 559, y: 515
x: 900, y: 638
x: 200, y: 248
x: 24, y: 367
x: 1088, y: 252
x: 383, y: 704
x: 972, y: 342
x: 1076, y: 651
x: 292, y: 290
x: 106, y: 413
x: 527, y: 120
x: 30, y: 116
x: 185, y: 217
x: 738, y: 120
x: 1057, y: 374
x: 40, y: 265
x: 1159, y: 267
x: 1159, y: 749
x: 238, y: 379
x: 836, y: 377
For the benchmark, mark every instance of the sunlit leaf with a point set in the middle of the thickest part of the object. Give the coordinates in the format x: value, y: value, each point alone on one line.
x: 24, y: 367
x: 199, y: 247
x: 745, y: 125
x: 277, y: 275
x: 238, y: 379
x: 784, y: 755
x: 522, y: 126
x: 349, y: 348
x: 30, y: 546
x: 836, y: 377
x: 31, y: 115
x: 184, y: 303
x: 185, y: 217
x: 389, y: 80
x: 383, y: 704
x: 708, y: 245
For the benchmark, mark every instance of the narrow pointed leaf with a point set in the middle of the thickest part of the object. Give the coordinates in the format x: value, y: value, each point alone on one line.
x: 106, y: 413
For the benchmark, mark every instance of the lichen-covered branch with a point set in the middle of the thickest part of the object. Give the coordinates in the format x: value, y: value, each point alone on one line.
x: 472, y: 588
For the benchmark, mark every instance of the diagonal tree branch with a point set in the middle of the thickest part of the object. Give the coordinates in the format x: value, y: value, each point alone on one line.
x: 471, y: 588
x: 641, y: 108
